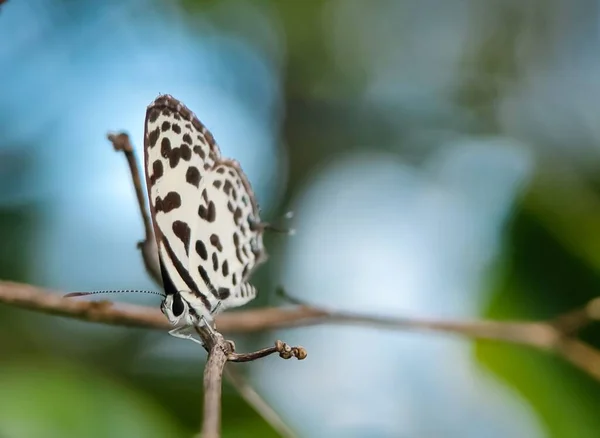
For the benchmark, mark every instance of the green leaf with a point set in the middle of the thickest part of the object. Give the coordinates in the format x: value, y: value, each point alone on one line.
x: 540, y: 280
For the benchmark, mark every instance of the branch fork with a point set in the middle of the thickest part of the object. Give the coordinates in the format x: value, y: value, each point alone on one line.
x: 220, y: 351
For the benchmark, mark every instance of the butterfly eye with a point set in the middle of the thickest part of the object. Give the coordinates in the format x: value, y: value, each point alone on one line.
x: 178, y: 306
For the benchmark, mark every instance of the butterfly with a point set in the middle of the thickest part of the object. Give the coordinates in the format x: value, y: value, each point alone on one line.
x: 205, y: 216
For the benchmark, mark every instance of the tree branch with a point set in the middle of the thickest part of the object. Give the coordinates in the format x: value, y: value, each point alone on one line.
x: 121, y: 142
x: 213, y: 376
x: 543, y: 335
x: 220, y: 351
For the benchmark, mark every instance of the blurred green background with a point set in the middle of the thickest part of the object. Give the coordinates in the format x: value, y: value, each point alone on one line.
x: 442, y: 161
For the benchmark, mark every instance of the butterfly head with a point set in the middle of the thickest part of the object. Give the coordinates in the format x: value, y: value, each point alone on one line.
x: 177, y: 309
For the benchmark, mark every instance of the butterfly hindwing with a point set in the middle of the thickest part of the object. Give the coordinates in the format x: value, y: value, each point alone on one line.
x: 227, y: 245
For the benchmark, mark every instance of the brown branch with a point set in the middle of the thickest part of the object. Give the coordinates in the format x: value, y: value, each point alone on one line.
x: 121, y: 142
x: 220, y: 351
x: 543, y: 335
x: 284, y: 350
x: 34, y: 298
x: 213, y: 376
x: 581, y: 355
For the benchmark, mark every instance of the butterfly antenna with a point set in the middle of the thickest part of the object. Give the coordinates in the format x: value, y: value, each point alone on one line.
x: 135, y: 291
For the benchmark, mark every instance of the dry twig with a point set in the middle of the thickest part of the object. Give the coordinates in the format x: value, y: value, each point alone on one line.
x: 254, y: 399
x: 122, y: 143
x: 548, y: 336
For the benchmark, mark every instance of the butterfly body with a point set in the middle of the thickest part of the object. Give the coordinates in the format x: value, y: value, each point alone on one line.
x: 205, y: 216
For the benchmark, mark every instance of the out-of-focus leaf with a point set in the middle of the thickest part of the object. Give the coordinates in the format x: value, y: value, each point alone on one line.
x: 16, y: 231
x: 49, y: 400
x: 543, y: 279
x: 566, y: 203
x: 17, y: 226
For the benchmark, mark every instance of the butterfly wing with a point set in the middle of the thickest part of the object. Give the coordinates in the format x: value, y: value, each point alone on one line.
x: 228, y: 247
x: 203, y: 209
x: 178, y: 152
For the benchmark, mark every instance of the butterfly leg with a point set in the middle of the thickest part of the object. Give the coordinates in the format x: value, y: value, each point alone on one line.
x: 216, y: 309
x: 206, y: 323
x: 277, y: 229
x: 183, y: 333
x: 266, y: 226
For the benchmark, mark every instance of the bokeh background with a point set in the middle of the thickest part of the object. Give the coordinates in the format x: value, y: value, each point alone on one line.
x: 442, y: 159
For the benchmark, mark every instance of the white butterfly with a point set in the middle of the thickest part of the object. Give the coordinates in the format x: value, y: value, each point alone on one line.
x: 205, y: 216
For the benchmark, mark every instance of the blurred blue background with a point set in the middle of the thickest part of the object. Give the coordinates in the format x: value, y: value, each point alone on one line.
x: 442, y: 160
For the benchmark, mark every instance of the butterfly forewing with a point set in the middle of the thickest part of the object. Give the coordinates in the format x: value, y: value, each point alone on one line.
x: 202, y: 209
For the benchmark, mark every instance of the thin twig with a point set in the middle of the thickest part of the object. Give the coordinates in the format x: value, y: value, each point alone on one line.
x: 249, y: 357
x: 284, y: 350
x: 121, y: 142
x: 253, y: 398
x: 543, y: 335
x: 581, y: 355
